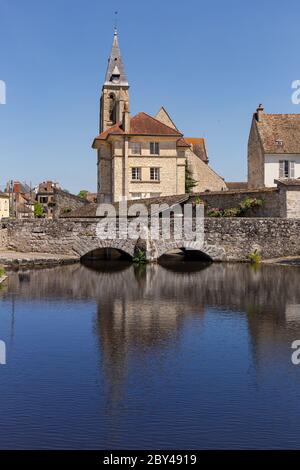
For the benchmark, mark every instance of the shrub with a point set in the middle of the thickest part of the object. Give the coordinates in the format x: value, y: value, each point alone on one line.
x: 232, y: 212
x: 83, y: 193
x: 140, y: 257
x: 38, y: 210
x: 2, y: 271
x: 215, y: 212
x: 198, y: 200
x: 250, y: 203
x: 190, y: 183
x: 254, y: 257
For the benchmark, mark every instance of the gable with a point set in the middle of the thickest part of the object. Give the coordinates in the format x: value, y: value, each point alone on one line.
x: 164, y: 117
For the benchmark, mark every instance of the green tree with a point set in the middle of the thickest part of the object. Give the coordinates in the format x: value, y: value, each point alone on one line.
x: 190, y: 183
x: 38, y: 210
x: 83, y: 193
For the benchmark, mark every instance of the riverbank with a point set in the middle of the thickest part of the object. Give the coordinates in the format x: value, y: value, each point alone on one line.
x: 15, y: 260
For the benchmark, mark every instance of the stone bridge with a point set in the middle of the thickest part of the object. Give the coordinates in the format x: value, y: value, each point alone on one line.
x: 225, y: 239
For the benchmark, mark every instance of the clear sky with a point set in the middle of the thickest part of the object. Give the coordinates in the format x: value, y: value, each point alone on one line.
x: 208, y: 62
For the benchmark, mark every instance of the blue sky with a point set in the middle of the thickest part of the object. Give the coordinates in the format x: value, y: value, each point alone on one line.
x: 209, y: 63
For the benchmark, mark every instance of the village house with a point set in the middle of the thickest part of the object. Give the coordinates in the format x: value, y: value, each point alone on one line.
x: 273, y: 148
x: 21, y: 200
x: 56, y: 201
x: 4, y: 205
x: 144, y: 156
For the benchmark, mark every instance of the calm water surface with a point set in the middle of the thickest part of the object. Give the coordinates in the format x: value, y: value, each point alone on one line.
x: 189, y: 356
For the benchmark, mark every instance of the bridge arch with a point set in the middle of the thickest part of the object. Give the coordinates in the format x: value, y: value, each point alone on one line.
x: 209, y: 252
x: 84, y: 247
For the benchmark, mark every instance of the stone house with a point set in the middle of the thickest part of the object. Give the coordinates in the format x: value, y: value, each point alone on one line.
x: 273, y: 148
x: 143, y: 156
x: 56, y: 201
x: 21, y: 200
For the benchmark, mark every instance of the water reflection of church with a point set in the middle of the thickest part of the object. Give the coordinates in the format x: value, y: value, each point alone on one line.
x: 146, y: 309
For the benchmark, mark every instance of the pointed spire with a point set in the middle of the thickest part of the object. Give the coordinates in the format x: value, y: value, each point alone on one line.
x: 115, y: 74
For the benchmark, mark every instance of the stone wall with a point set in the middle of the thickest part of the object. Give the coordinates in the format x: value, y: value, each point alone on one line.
x: 228, y: 199
x: 272, y: 237
x: 226, y: 239
x: 65, y: 201
x: 206, y: 177
x: 3, y: 237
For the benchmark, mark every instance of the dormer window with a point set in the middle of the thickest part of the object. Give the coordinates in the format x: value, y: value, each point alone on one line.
x: 115, y: 77
x: 279, y: 142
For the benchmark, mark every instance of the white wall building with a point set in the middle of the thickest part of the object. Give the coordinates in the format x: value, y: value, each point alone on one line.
x: 273, y: 148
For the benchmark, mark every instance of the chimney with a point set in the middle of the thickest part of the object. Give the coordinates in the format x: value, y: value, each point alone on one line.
x: 259, y: 112
x: 126, y: 118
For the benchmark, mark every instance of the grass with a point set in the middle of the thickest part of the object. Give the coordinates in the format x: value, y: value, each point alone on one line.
x: 254, y: 257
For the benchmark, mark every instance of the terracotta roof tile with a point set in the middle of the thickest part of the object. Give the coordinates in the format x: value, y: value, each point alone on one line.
x: 141, y: 124
x: 279, y: 133
x: 182, y: 143
x: 198, y: 147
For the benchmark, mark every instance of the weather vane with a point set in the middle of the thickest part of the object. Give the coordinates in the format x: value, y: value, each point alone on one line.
x: 116, y: 21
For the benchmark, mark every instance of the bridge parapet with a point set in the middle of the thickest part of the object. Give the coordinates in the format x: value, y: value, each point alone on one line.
x: 225, y: 239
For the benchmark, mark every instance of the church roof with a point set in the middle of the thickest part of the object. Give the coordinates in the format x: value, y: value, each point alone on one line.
x: 141, y: 124
x: 279, y: 133
x: 115, y: 74
x: 198, y: 147
x: 182, y: 143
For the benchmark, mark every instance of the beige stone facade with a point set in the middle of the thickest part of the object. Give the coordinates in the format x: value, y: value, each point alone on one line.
x: 4, y: 205
x: 143, y: 156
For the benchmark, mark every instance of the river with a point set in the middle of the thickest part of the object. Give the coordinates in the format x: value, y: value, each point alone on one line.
x: 181, y: 356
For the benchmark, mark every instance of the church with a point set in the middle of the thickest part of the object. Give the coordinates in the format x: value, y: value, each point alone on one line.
x: 144, y: 156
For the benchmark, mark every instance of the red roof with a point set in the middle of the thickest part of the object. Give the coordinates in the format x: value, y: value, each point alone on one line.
x: 182, y: 143
x: 141, y: 124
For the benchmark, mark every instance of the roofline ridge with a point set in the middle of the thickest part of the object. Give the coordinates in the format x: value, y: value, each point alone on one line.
x: 161, y: 123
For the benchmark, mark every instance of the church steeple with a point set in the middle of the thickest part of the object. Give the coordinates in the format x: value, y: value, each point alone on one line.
x: 115, y: 74
x: 115, y: 88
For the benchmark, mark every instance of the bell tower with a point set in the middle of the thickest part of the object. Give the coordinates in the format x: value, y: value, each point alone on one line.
x: 115, y: 91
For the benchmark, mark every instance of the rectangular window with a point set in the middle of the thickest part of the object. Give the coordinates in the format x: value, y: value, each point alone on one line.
x: 136, y: 195
x: 154, y: 148
x: 286, y: 169
x: 154, y: 174
x: 136, y: 174
x: 154, y: 195
x: 135, y: 148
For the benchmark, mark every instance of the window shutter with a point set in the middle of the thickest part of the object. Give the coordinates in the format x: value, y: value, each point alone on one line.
x: 281, y: 169
x: 292, y: 169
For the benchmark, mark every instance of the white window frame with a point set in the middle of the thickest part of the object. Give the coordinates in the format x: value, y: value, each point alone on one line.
x: 154, y: 148
x: 135, y: 148
x: 154, y: 174
x: 136, y: 173
x: 136, y: 195
x: 286, y: 169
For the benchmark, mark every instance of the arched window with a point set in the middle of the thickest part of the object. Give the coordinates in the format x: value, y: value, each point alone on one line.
x: 112, y: 108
